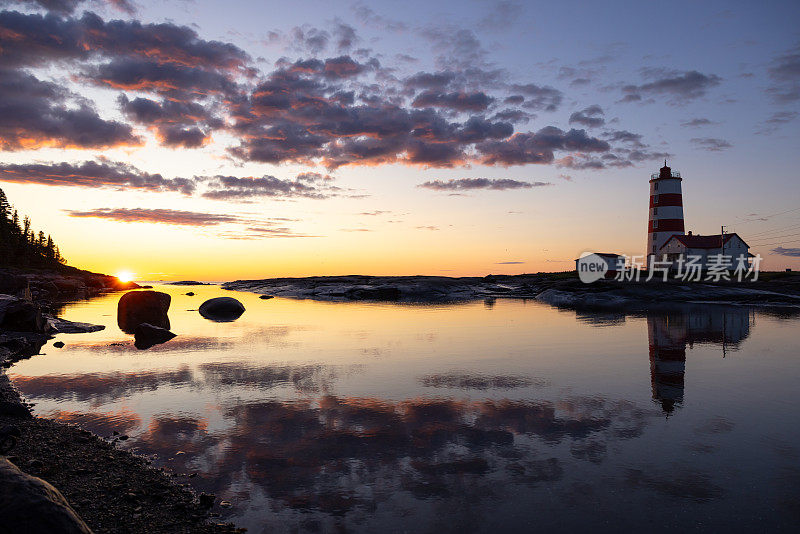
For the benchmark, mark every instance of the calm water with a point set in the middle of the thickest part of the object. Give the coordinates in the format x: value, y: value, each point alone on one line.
x: 503, y: 417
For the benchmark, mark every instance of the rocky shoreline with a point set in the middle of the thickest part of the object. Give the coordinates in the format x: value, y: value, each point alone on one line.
x: 56, y: 477
x: 559, y: 289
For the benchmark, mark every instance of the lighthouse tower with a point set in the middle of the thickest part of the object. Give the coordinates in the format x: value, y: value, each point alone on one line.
x: 666, y: 210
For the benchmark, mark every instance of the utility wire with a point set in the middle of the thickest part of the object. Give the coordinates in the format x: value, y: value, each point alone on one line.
x: 774, y: 230
x: 775, y: 214
x: 776, y: 237
x: 777, y: 243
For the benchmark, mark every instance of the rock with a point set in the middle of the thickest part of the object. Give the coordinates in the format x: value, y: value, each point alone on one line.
x: 22, y: 345
x: 187, y: 283
x: 265, y: 297
x: 72, y: 327
x: 190, y: 294
x: 222, y: 309
x: 20, y: 315
x: 139, y: 307
x: 69, y: 285
x: 35, y: 465
x: 10, y: 401
x: 31, y: 505
x: 374, y: 293
x: 206, y: 500
x: 8, y: 438
x: 146, y: 335
x: 58, y: 344
x: 12, y: 283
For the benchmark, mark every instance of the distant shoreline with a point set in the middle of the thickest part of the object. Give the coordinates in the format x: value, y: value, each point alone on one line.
x: 561, y: 289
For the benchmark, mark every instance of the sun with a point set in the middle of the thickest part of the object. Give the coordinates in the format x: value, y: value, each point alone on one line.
x: 125, y: 276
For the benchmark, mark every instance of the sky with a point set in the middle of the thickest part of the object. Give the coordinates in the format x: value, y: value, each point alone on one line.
x: 231, y: 140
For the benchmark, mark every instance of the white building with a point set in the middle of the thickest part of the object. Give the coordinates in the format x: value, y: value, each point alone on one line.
x: 682, y: 248
x: 614, y: 262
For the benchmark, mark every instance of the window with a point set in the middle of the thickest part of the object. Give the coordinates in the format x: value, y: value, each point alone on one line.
x: 655, y: 186
x: 655, y: 211
x: 655, y: 235
x: 655, y: 223
x: 655, y: 200
x: 654, y: 249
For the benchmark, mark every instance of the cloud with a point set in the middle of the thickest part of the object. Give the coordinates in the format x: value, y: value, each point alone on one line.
x: 539, y: 147
x: 61, y: 7
x: 790, y: 252
x: 101, y: 173
x: 430, y: 80
x: 315, y: 111
x: 345, y: 36
x: 539, y: 97
x: 305, y: 185
x: 367, y: 16
x: 624, y: 136
x: 428, y: 227
x: 167, y: 216
x: 458, y: 101
x: 67, y: 7
x: 784, y: 71
x: 170, y: 79
x: 502, y: 15
x: 463, y: 184
x: 776, y: 121
x: 178, y: 124
x: 38, y: 39
x: 590, y: 117
x: 35, y: 113
x: 781, y: 117
x: 248, y: 229
x: 376, y: 212
x: 677, y: 87
x: 711, y: 144
x: 263, y: 232
x: 512, y: 116
x: 509, y: 263
x: 698, y: 122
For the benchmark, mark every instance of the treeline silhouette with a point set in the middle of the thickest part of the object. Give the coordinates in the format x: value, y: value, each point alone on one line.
x: 20, y: 245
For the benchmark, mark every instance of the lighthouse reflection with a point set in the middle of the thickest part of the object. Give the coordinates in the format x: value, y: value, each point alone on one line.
x: 670, y: 332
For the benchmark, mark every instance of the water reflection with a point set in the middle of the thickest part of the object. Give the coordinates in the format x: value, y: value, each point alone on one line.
x: 496, y: 416
x: 670, y: 332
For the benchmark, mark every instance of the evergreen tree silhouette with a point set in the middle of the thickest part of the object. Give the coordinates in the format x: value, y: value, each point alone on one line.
x: 20, y: 246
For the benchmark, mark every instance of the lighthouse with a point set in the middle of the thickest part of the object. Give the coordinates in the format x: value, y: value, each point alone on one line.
x: 666, y: 210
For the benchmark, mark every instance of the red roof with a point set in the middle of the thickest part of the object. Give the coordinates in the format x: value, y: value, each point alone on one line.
x: 702, y: 241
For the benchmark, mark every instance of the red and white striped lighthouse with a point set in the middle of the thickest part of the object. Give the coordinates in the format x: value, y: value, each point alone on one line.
x: 666, y: 210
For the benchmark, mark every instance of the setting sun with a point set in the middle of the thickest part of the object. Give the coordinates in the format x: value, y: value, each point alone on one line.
x: 125, y: 276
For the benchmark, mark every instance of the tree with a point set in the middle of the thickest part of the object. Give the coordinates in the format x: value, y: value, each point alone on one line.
x: 20, y: 246
x: 5, y: 208
x: 27, y: 235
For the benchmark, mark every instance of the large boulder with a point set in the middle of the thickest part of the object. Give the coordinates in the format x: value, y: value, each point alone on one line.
x: 139, y: 307
x: 147, y: 335
x: 20, y: 315
x: 222, y: 309
x: 31, y: 505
